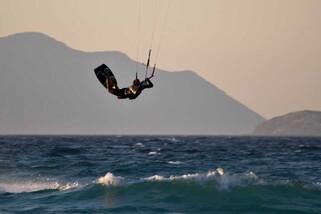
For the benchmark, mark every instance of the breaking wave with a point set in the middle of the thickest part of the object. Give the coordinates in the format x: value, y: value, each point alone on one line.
x: 217, y: 177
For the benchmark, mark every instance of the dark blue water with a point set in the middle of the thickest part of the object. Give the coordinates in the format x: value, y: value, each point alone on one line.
x: 105, y: 174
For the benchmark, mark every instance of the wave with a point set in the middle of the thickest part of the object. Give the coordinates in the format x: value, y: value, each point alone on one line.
x: 217, y: 177
x: 212, y: 192
x: 214, y: 189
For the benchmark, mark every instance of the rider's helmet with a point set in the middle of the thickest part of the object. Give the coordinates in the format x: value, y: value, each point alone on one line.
x: 136, y: 82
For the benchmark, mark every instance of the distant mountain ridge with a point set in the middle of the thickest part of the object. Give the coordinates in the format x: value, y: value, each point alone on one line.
x: 48, y: 88
x: 301, y: 123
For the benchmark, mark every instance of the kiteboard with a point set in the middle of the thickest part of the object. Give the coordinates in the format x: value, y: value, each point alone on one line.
x: 105, y: 76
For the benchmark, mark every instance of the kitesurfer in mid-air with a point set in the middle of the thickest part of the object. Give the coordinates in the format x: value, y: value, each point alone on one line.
x: 107, y: 78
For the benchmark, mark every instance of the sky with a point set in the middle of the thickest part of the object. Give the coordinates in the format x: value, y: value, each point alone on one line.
x: 264, y: 53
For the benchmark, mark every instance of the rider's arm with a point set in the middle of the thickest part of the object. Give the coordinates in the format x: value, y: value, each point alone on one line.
x: 147, y: 83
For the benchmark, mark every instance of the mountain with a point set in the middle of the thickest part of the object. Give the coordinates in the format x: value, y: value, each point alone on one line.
x: 48, y: 88
x: 301, y: 123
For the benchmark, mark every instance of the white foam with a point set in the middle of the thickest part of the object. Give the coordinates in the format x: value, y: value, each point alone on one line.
x: 216, y: 172
x: 68, y: 186
x: 140, y: 144
x: 222, y: 180
x: 110, y: 180
x: 155, y: 178
x: 34, y: 186
x: 220, y: 171
x: 184, y: 177
x: 172, y: 177
x: 175, y: 162
x: 218, y: 178
x: 153, y: 153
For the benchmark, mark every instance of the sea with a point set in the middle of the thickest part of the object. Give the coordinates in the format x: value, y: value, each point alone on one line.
x: 160, y: 174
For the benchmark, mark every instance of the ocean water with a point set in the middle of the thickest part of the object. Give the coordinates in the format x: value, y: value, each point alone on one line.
x: 159, y: 174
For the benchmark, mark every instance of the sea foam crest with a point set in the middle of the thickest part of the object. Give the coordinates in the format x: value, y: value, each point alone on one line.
x: 110, y: 180
x: 155, y: 178
x: 35, y: 186
x: 189, y: 176
x: 153, y: 153
x: 220, y: 179
x: 139, y: 144
x: 175, y: 162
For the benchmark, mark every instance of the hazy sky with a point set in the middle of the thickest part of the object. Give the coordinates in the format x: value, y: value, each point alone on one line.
x: 264, y: 53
